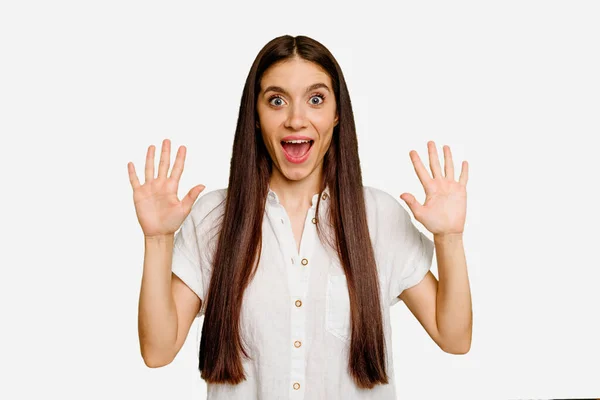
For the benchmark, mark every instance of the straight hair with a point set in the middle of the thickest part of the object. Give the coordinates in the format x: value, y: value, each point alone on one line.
x: 237, y: 252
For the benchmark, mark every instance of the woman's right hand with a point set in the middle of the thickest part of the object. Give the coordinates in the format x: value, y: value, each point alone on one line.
x: 159, y: 211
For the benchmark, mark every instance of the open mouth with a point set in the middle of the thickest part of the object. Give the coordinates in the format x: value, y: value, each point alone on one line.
x: 296, y: 149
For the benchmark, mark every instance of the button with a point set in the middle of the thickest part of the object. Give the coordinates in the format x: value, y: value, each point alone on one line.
x: 298, y: 303
x: 304, y: 261
x: 324, y: 197
x: 296, y: 385
x: 314, y: 220
x: 297, y: 343
x: 292, y: 260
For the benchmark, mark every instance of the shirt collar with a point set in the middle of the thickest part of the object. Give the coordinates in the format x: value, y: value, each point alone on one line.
x: 274, y: 199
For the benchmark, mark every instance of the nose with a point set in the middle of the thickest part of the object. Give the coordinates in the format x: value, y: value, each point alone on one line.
x: 296, y: 119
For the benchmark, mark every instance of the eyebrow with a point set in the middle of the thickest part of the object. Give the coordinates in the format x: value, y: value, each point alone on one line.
x: 308, y: 89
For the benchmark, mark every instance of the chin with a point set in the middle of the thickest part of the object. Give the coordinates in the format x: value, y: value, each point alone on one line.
x: 296, y: 173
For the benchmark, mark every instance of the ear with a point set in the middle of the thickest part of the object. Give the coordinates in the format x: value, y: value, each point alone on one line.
x: 257, y: 125
x: 336, y: 120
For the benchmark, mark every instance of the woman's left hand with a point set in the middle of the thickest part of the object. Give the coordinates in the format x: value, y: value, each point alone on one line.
x: 445, y: 208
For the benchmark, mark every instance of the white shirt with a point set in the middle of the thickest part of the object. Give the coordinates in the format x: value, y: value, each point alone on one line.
x: 295, y: 315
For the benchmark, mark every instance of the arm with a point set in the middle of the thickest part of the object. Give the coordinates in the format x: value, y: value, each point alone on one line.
x: 167, y: 307
x: 444, y: 308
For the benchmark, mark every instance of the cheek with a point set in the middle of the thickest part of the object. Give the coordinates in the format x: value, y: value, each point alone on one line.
x: 267, y: 140
x: 265, y: 126
x: 324, y: 120
x: 324, y: 126
x: 269, y: 123
x: 327, y: 141
x: 324, y: 142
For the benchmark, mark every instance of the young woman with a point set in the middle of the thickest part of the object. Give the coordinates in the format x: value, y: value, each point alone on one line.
x: 295, y: 264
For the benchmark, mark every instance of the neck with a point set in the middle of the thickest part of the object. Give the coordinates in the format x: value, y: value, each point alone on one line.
x: 296, y: 195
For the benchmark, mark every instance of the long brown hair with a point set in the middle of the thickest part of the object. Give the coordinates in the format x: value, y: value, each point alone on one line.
x: 240, y: 238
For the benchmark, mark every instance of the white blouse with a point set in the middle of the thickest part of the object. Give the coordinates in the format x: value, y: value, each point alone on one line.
x: 295, y: 318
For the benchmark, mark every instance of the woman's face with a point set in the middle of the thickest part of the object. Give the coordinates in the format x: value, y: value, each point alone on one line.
x: 296, y: 101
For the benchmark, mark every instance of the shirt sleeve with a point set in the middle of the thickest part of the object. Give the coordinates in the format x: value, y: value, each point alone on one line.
x: 409, y: 251
x: 192, y: 250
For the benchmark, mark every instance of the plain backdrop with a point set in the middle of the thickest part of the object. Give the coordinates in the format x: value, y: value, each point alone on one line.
x: 511, y: 86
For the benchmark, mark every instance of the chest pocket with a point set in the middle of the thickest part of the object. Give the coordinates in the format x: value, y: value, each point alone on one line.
x: 337, y: 305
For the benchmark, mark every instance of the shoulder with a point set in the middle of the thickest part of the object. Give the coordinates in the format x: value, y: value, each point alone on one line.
x: 381, y: 200
x: 202, y: 223
x: 209, y: 205
x: 384, y: 211
x: 209, y: 200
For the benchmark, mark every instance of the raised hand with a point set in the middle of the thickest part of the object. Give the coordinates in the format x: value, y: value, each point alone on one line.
x: 158, y: 209
x: 445, y: 207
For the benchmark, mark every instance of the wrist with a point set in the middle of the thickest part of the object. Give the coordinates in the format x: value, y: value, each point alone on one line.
x: 158, y: 239
x: 455, y: 236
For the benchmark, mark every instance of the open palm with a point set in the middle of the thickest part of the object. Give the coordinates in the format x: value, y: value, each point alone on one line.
x: 158, y: 209
x: 445, y: 207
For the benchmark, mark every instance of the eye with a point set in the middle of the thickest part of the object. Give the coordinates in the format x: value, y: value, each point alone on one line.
x: 275, y: 98
x: 317, y: 96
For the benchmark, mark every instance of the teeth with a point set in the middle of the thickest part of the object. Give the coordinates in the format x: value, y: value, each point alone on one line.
x: 297, y: 141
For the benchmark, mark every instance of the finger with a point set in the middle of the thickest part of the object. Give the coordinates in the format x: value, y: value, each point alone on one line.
x: 419, y: 168
x: 448, y: 163
x: 434, y: 161
x: 178, y: 165
x: 411, y: 202
x: 165, y: 156
x: 190, y: 198
x: 464, y: 173
x: 133, y: 179
x: 150, y: 164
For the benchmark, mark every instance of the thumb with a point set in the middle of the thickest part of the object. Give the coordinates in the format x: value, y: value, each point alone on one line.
x: 189, y: 200
x: 411, y: 202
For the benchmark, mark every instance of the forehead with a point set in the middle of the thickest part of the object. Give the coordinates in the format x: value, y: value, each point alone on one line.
x: 294, y: 74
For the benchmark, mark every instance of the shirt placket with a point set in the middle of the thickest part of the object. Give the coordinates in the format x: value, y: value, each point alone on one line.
x: 297, y: 266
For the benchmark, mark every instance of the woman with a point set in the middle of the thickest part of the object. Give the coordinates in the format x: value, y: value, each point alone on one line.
x: 295, y: 264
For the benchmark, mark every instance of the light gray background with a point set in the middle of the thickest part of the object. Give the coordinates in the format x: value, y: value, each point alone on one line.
x: 512, y: 86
